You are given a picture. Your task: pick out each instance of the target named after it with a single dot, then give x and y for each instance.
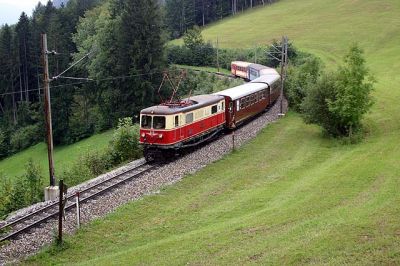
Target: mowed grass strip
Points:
(303, 201)
(291, 196)
(64, 156)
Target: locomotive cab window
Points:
(159, 122)
(176, 121)
(214, 109)
(146, 121)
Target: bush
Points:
(97, 162)
(300, 79)
(4, 146)
(27, 190)
(25, 137)
(125, 142)
(77, 173)
(6, 189)
(339, 100)
(33, 181)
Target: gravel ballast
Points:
(30, 242)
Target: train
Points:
(170, 127)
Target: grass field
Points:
(291, 196)
(64, 156)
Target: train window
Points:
(242, 103)
(189, 118)
(159, 122)
(223, 105)
(176, 121)
(214, 109)
(230, 107)
(146, 121)
(237, 105)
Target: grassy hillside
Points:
(291, 195)
(64, 156)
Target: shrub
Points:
(25, 137)
(339, 100)
(6, 188)
(4, 146)
(300, 79)
(33, 181)
(97, 162)
(77, 173)
(125, 142)
(27, 190)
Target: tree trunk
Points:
(26, 79)
(20, 84)
(203, 14)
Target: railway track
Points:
(35, 218)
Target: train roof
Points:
(241, 63)
(242, 90)
(195, 103)
(258, 66)
(267, 78)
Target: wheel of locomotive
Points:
(150, 155)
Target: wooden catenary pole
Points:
(47, 109)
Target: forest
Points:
(122, 43)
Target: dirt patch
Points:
(252, 231)
(256, 257)
(366, 238)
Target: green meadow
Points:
(64, 156)
(290, 196)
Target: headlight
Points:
(143, 135)
(160, 136)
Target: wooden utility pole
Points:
(217, 54)
(283, 68)
(47, 109)
(60, 211)
(255, 55)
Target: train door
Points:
(177, 130)
(231, 113)
(269, 95)
(234, 67)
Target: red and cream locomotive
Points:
(169, 127)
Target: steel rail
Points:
(72, 205)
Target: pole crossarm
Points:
(71, 66)
(276, 58)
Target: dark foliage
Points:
(182, 15)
